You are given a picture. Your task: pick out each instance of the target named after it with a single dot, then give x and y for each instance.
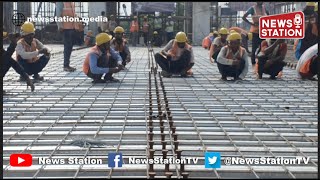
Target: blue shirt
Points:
(93, 61)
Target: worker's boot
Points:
(69, 69)
(37, 77)
(223, 78)
(165, 73)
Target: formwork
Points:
(147, 116)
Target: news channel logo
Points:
(115, 160)
(18, 19)
(212, 160)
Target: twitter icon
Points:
(212, 160)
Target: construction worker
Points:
(158, 27)
(169, 29)
(156, 39)
(27, 51)
(244, 36)
(103, 26)
(256, 12)
(112, 24)
(145, 30)
(8, 62)
(120, 45)
(217, 44)
(270, 59)
(311, 30)
(67, 9)
(206, 42)
(308, 66)
(89, 39)
(134, 29)
(177, 57)
(102, 60)
(232, 60)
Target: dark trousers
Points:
(124, 57)
(102, 62)
(159, 36)
(272, 70)
(145, 37)
(68, 42)
(36, 67)
(157, 40)
(231, 71)
(178, 66)
(135, 38)
(8, 62)
(170, 36)
(256, 42)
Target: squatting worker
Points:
(177, 57)
(102, 60)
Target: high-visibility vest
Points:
(169, 27)
(28, 48)
(230, 55)
(86, 63)
(134, 26)
(69, 10)
(255, 18)
(174, 49)
(119, 47)
(145, 27)
(206, 42)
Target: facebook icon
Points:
(115, 160)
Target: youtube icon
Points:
(21, 160)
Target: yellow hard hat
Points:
(234, 36)
(27, 28)
(4, 34)
(181, 37)
(250, 36)
(102, 38)
(215, 32)
(232, 31)
(118, 29)
(155, 32)
(223, 31)
(311, 4)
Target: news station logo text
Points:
(282, 26)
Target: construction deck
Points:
(145, 114)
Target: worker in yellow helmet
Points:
(120, 44)
(8, 61)
(177, 57)
(232, 60)
(270, 59)
(244, 36)
(217, 44)
(102, 60)
(156, 39)
(27, 51)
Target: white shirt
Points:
(223, 60)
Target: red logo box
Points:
(21, 160)
(282, 26)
